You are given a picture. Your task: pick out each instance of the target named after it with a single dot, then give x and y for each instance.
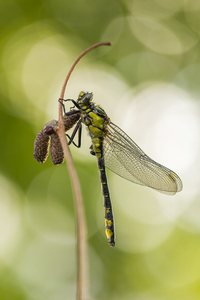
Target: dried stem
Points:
(76, 62)
(78, 200)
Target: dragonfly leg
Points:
(72, 100)
(63, 106)
(78, 129)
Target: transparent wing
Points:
(124, 157)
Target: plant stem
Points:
(77, 195)
(92, 47)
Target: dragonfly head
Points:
(84, 99)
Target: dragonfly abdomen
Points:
(109, 221)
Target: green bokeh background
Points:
(148, 82)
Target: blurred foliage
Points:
(148, 82)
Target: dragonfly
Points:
(115, 150)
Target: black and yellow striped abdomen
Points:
(109, 220)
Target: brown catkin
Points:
(41, 146)
(56, 150)
(48, 135)
(70, 120)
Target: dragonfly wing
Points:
(124, 157)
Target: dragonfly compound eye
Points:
(81, 95)
(85, 98)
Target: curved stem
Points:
(92, 47)
(78, 200)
